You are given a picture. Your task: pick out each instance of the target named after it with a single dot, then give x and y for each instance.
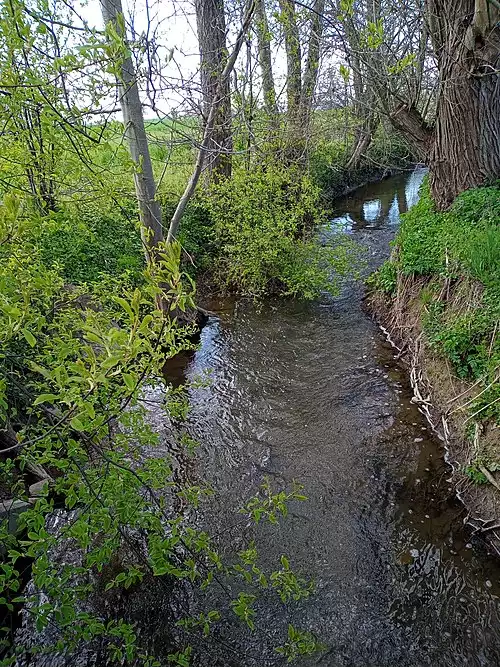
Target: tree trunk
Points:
(366, 70)
(135, 132)
(364, 137)
(266, 65)
(466, 145)
(211, 26)
(210, 124)
(312, 63)
(463, 148)
(293, 59)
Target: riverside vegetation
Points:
(105, 227)
(442, 287)
(84, 341)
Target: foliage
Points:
(385, 279)
(83, 244)
(464, 238)
(74, 368)
(459, 248)
(330, 150)
(474, 473)
(299, 643)
(196, 233)
(263, 228)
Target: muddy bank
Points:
(366, 176)
(441, 396)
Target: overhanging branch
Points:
(408, 120)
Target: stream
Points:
(313, 393)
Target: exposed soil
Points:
(443, 397)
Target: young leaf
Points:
(29, 337)
(44, 398)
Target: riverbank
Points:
(437, 302)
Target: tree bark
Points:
(266, 65)
(293, 59)
(312, 63)
(211, 27)
(407, 119)
(463, 148)
(465, 151)
(135, 132)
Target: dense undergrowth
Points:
(84, 340)
(76, 364)
(252, 235)
(457, 253)
(388, 153)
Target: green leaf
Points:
(77, 424)
(129, 381)
(29, 337)
(125, 305)
(45, 398)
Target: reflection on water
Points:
(373, 206)
(311, 392)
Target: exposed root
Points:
(433, 383)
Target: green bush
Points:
(196, 233)
(93, 242)
(264, 231)
(460, 245)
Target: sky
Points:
(172, 26)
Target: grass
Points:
(458, 253)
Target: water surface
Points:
(312, 392)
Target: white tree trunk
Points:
(135, 132)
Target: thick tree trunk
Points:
(465, 151)
(211, 25)
(266, 65)
(463, 148)
(408, 120)
(135, 132)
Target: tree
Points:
(462, 146)
(266, 65)
(364, 98)
(211, 26)
(293, 59)
(135, 132)
(300, 88)
(312, 62)
(211, 123)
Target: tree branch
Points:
(207, 135)
(407, 119)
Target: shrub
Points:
(196, 233)
(93, 242)
(264, 222)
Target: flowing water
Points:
(312, 392)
